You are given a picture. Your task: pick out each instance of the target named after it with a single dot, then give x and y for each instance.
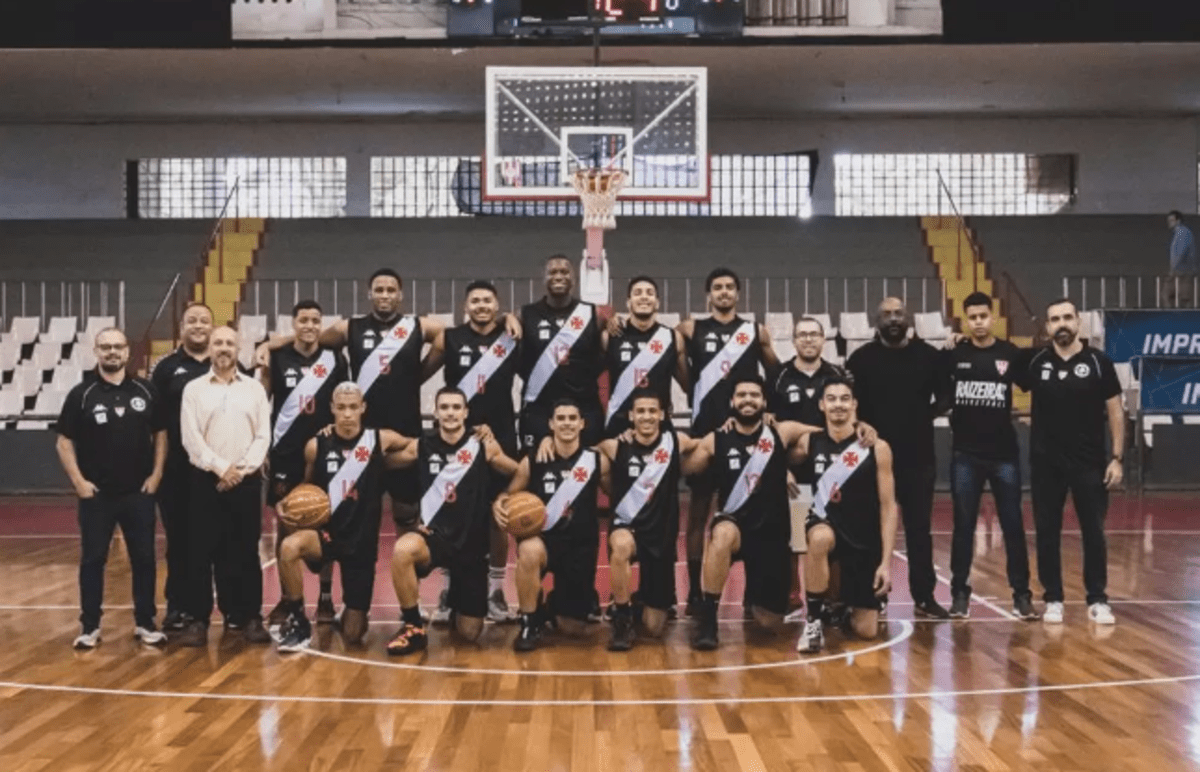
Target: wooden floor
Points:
(990, 693)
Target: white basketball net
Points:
(598, 189)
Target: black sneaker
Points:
(326, 613)
(1023, 608)
(931, 609)
(278, 616)
(174, 621)
(837, 616)
(254, 632)
(195, 634)
(408, 639)
(694, 604)
(296, 634)
(960, 607)
(705, 638)
(234, 625)
(622, 631)
(530, 633)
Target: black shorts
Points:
(856, 569)
(656, 570)
(766, 556)
(287, 471)
(573, 563)
(535, 424)
(467, 593)
(357, 567)
(404, 487)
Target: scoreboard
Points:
(552, 19)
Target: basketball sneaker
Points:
(326, 613)
(88, 639)
(296, 634)
(149, 635)
(407, 640)
(960, 607)
(622, 630)
(498, 610)
(931, 609)
(530, 633)
(174, 621)
(1023, 608)
(1101, 614)
(441, 615)
(705, 638)
(1053, 615)
(279, 615)
(812, 640)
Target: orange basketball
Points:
(307, 506)
(526, 515)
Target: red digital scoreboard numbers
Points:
(631, 10)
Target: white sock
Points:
(495, 579)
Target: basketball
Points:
(526, 515)
(307, 506)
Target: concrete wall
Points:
(60, 171)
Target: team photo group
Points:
(802, 470)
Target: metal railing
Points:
(47, 299)
(1125, 291)
(684, 296)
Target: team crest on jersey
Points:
(464, 456)
(810, 392)
(138, 404)
(1062, 374)
(1002, 366)
(850, 459)
(1082, 370)
(120, 411)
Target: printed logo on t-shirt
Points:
(138, 404)
(735, 459)
(1001, 366)
(1082, 370)
(435, 463)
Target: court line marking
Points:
(809, 698)
(984, 601)
(906, 631)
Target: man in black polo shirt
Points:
(1075, 390)
(169, 376)
(981, 371)
(112, 445)
(899, 393)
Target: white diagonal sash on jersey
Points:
(646, 359)
(383, 353)
(487, 365)
(569, 490)
(305, 390)
(751, 474)
(646, 484)
(835, 476)
(566, 337)
(720, 365)
(351, 469)
(449, 477)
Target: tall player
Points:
(300, 381)
(453, 465)
(720, 349)
(853, 519)
(172, 373)
(348, 464)
(480, 360)
(569, 540)
(644, 355)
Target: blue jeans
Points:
(98, 517)
(968, 473)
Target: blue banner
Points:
(1132, 334)
(1170, 385)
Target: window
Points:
(254, 187)
(872, 185)
(450, 186)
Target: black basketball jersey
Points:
(489, 400)
(394, 398)
(622, 352)
(464, 509)
(579, 366)
(796, 396)
(359, 510)
(708, 338)
(767, 505)
(311, 412)
(852, 507)
(579, 523)
(656, 522)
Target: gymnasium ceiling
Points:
(762, 82)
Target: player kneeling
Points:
(348, 464)
(569, 540)
(853, 518)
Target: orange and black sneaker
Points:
(407, 640)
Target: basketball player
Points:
(569, 540)
(172, 373)
(641, 354)
(348, 464)
(641, 471)
(748, 464)
(480, 359)
(720, 349)
(853, 519)
(452, 533)
(300, 380)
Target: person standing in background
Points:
(1178, 289)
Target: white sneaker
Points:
(441, 615)
(1101, 614)
(88, 639)
(813, 638)
(799, 615)
(498, 610)
(1053, 615)
(150, 636)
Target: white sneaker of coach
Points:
(1053, 615)
(149, 636)
(1101, 614)
(88, 639)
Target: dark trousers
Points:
(98, 517)
(173, 509)
(1051, 479)
(914, 494)
(223, 533)
(968, 473)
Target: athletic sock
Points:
(326, 589)
(412, 616)
(694, 568)
(495, 580)
(294, 605)
(816, 605)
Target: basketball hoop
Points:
(598, 190)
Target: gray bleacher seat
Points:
(61, 329)
(27, 379)
(66, 376)
(830, 353)
(83, 356)
(12, 404)
(855, 326)
(252, 328)
(24, 329)
(931, 326)
(283, 324)
(779, 324)
(94, 325)
(10, 354)
(670, 320)
(46, 355)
